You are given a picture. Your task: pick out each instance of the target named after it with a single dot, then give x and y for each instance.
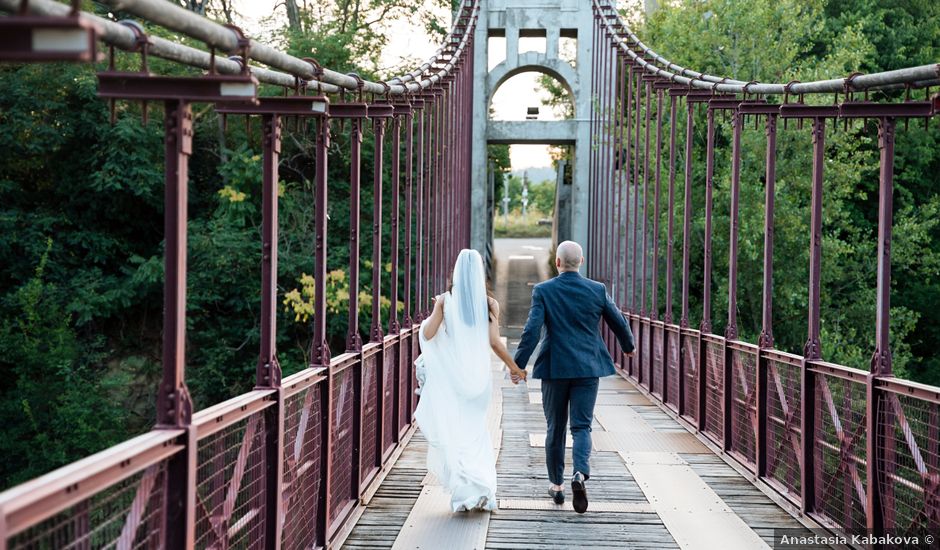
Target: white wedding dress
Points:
(456, 392)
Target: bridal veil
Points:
(457, 390)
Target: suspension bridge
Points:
(704, 440)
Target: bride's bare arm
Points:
(434, 321)
(496, 343)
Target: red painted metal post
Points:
(425, 216)
(409, 212)
(174, 406)
(379, 114)
(623, 181)
(430, 238)
(445, 181)
(613, 160)
(654, 314)
(881, 359)
(420, 216)
(731, 329)
(613, 156)
(453, 169)
(766, 335)
(467, 114)
(355, 113)
(770, 163)
(430, 203)
(811, 350)
(407, 351)
(448, 170)
(353, 339)
(592, 164)
(320, 355)
(604, 153)
(706, 325)
(601, 174)
(428, 208)
(878, 460)
(378, 131)
(646, 190)
(269, 371)
(629, 285)
(636, 204)
(617, 203)
(439, 193)
(671, 201)
(687, 212)
(393, 324)
(439, 234)
(420, 208)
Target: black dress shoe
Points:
(579, 493)
(557, 496)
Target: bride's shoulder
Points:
(493, 306)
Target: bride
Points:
(456, 340)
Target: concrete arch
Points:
(534, 62)
(514, 20)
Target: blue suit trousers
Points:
(564, 399)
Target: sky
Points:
(408, 40)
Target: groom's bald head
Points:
(568, 256)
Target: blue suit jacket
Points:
(569, 308)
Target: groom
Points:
(572, 358)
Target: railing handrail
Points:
(177, 18)
(44, 496)
(919, 76)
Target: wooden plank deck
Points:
(620, 515)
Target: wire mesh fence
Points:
(744, 405)
(126, 514)
(784, 427)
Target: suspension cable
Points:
(223, 38)
(640, 53)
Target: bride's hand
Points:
(517, 374)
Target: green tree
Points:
(56, 402)
(83, 200)
(814, 40)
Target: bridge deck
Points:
(653, 484)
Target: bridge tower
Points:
(551, 19)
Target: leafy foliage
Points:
(81, 258)
(813, 40)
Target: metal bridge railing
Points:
(289, 464)
(850, 449)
